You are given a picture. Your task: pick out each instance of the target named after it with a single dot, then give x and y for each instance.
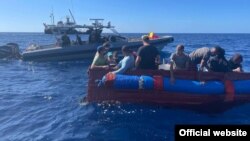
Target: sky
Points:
(131, 16)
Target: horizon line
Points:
(146, 32)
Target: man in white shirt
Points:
(126, 63)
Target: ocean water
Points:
(42, 101)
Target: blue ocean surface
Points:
(42, 101)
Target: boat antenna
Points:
(52, 17)
(72, 16)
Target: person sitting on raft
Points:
(178, 61)
(113, 58)
(126, 63)
(100, 60)
(234, 63)
(148, 56)
(201, 56)
(218, 63)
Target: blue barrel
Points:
(194, 87)
(126, 82)
(147, 82)
(242, 86)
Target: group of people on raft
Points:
(148, 57)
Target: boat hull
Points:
(81, 52)
(200, 102)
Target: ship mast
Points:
(52, 17)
